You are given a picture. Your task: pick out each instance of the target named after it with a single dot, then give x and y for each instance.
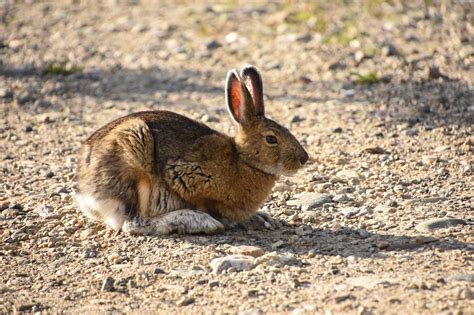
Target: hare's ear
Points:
(238, 99)
(253, 81)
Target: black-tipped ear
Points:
(233, 95)
(238, 99)
(253, 82)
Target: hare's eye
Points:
(271, 139)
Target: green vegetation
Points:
(368, 78)
(61, 69)
(308, 14)
(343, 36)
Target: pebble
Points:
(278, 244)
(247, 250)
(236, 262)
(370, 282)
(350, 212)
(159, 271)
(384, 208)
(389, 50)
(108, 285)
(86, 233)
(309, 200)
(438, 223)
(349, 174)
(276, 259)
(187, 273)
(374, 150)
(341, 198)
(46, 212)
(212, 44)
(115, 258)
(184, 301)
(468, 277)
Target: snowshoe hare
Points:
(158, 172)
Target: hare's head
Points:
(261, 142)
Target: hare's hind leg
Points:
(182, 221)
(109, 211)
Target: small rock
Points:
(296, 119)
(342, 298)
(438, 223)
(5, 93)
(429, 159)
(442, 171)
(383, 245)
(370, 282)
(384, 208)
(27, 307)
(374, 150)
(389, 50)
(4, 205)
(212, 44)
(108, 285)
(115, 258)
(246, 250)
(86, 234)
(187, 273)
(350, 212)
(337, 130)
(340, 198)
(309, 200)
(89, 253)
(278, 244)
(159, 271)
(46, 212)
(231, 37)
(349, 174)
(359, 56)
(187, 300)
(275, 259)
(62, 190)
(468, 277)
(237, 262)
(16, 206)
(434, 73)
(28, 129)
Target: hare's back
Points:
(165, 126)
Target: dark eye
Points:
(271, 139)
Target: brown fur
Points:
(157, 162)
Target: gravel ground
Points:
(379, 93)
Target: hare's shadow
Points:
(343, 242)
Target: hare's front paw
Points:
(184, 221)
(145, 226)
(261, 220)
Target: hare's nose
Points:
(304, 158)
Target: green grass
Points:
(343, 36)
(306, 14)
(61, 69)
(366, 79)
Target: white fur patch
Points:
(110, 211)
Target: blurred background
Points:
(165, 52)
